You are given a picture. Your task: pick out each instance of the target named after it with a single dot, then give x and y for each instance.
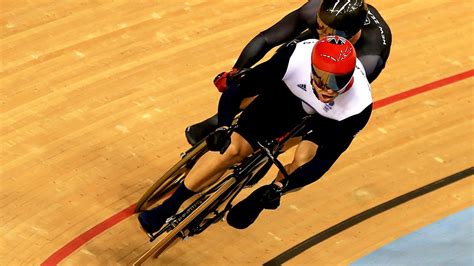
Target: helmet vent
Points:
(336, 40)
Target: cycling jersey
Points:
(373, 46)
(286, 96)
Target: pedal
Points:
(220, 216)
(183, 235)
(169, 225)
(235, 167)
(152, 236)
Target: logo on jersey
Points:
(328, 106)
(367, 21)
(302, 86)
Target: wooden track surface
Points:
(95, 96)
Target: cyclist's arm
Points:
(373, 65)
(283, 31)
(256, 81)
(376, 40)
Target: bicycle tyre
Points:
(171, 236)
(171, 179)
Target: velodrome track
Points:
(95, 97)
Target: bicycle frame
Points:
(242, 174)
(212, 204)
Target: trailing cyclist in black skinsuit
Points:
(364, 27)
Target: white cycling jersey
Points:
(298, 79)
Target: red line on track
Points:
(424, 88)
(80, 240)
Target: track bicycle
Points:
(211, 205)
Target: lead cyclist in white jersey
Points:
(322, 78)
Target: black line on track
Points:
(333, 230)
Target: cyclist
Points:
(322, 78)
(352, 19)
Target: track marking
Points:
(80, 240)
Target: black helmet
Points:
(344, 17)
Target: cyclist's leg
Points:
(265, 118)
(207, 170)
(213, 164)
(170, 180)
(267, 197)
(287, 115)
(205, 201)
(268, 116)
(152, 220)
(305, 152)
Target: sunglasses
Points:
(327, 81)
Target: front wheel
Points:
(173, 234)
(171, 179)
